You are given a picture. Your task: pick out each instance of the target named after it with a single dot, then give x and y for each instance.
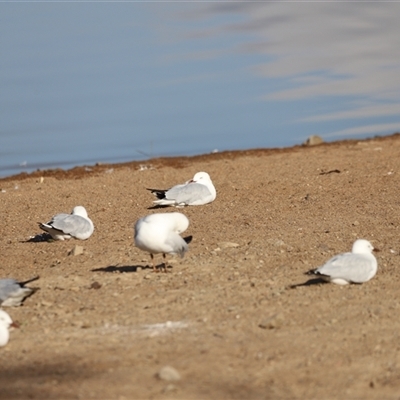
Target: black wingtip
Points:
(318, 274)
(188, 239)
(311, 272)
(35, 278)
(159, 193)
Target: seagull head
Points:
(5, 320)
(362, 246)
(80, 210)
(201, 176)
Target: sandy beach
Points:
(225, 317)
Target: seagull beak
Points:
(376, 250)
(15, 325)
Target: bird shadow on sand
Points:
(157, 206)
(121, 268)
(41, 237)
(131, 268)
(310, 282)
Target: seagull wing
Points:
(188, 194)
(177, 243)
(351, 267)
(74, 225)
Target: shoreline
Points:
(83, 171)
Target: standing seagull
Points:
(159, 233)
(356, 267)
(64, 226)
(196, 192)
(5, 324)
(13, 293)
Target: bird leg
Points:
(164, 265)
(152, 260)
(165, 262)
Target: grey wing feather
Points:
(71, 224)
(7, 287)
(178, 244)
(12, 294)
(187, 193)
(57, 217)
(352, 267)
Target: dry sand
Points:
(103, 324)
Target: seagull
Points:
(64, 226)
(356, 267)
(159, 233)
(195, 192)
(13, 293)
(5, 324)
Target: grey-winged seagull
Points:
(196, 192)
(13, 293)
(64, 226)
(356, 267)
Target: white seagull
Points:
(13, 293)
(195, 192)
(159, 233)
(356, 267)
(64, 226)
(5, 324)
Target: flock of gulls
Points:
(161, 233)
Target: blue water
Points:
(83, 83)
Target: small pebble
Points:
(76, 251)
(95, 285)
(170, 388)
(169, 374)
(273, 322)
(226, 245)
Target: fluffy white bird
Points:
(64, 226)
(195, 192)
(13, 293)
(160, 233)
(5, 324)
(356, 267)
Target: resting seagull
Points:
(160, 233)
(356, 267)
(64, 226)
(13, 293)
(5, 324)
(195, 192)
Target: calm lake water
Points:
(110, 82)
